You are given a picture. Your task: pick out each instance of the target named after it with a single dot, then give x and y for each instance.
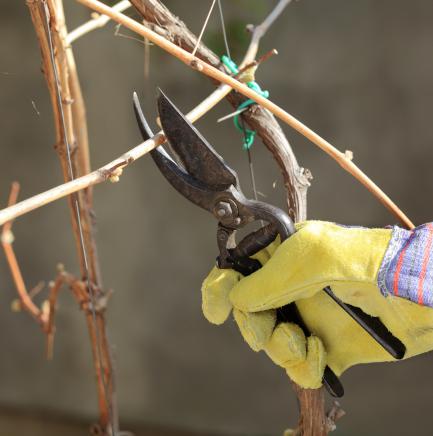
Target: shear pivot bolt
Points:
(223, 209)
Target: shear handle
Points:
(290, 313)
(252, 210)
(255, 241)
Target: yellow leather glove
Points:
(357, 263)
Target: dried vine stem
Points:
(43, 315)
(213, 72)
(7, 239)
(76, 131)
(95, 23)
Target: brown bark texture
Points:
(76, 135)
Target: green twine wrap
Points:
(249, 135)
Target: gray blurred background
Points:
(360, 73)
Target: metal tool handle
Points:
(255, 241)
(290, 313)
(373, 326)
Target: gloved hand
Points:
(387, 273)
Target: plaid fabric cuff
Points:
(407, 267)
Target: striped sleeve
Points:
(407, 267)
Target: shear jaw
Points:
(200, 174)
(195, 153)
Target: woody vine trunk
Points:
(312, 419)
(76, 131)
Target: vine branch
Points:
(96, 22)
(7, 239)
(116, 166)
(205, 68)
(103, 173)
(71, 110)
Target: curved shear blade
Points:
(198, 157)
(192, 189)
(145, 130)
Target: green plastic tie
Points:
(249, 134)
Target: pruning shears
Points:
(201, 175)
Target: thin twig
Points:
(39, 287)
(118, 33)
(52, 303)
(26, 301)
(204, 27)
(334, 415)
(231, 115)
(259, 31)
(71, 131)
(95, 23)
(255, 63)
(289, 119)
(44, 316)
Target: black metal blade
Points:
(143, 125)
(192, 189)
(198, 157)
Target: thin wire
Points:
(224, 29)
(251, 168)
(250, 161)
(77, 213)
(253, 180)
(204, 27)
(231, 115)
